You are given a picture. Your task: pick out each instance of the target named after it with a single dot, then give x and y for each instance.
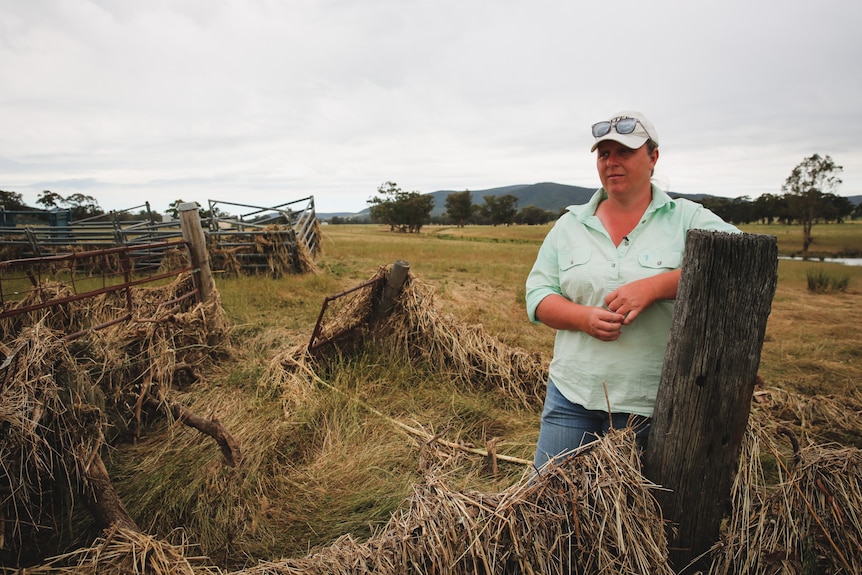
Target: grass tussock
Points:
(820, 281)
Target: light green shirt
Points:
(579, 261)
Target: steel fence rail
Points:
(79, 276)
(55, 234)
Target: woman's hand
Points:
(603, 324)
(631, 299)
(559, 313)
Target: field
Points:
(479, 272)
(336, 464)
(337, 443)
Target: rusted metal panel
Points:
(89, 274)
(321, 335)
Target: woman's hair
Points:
(650, 148)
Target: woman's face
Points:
(624, 171)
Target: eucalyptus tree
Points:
(402, 211)
(806, 190)
(459, 207)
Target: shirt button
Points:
(613, 265)
(658, 263)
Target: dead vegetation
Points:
(64, 402)
(273, 251)
(593, 513)
(805, 521)
(795, 508)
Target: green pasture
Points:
(829, 239)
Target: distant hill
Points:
(545, 195)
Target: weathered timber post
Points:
(704, 398)
(193, 232)
(394, 282)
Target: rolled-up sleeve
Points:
(544, 278)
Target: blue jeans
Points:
(567, 426)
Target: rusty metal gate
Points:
(33, 284)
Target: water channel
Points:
(845, 261)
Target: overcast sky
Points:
(269, 101)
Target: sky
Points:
(264, 102)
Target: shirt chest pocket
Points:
(575, 278)
(660, 259)
(572, 258)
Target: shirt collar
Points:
(660, 199)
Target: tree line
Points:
(79, 206)
(409, 211)
(809, 196)
(83, 207)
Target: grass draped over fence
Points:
(415, 330)
(63, 402)
(467, 352)
(274, 250)
(52, 422)
(593, 513)
(808, 521)
(811, 523)
(122, 551)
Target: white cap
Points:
(644, 130)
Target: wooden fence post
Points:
(193, 232)
(704, 398)
(394, 282)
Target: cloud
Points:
(269, 101)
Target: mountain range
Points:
(545, 195)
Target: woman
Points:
(605, 278)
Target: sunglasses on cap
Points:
(621, 125)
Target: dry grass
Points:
(64, 402)
(808, 521)
(273, 251)
(52, 426)
(121, 551)
(813, 342)
(372, 454)
(591, 513)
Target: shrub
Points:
(822, 282)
